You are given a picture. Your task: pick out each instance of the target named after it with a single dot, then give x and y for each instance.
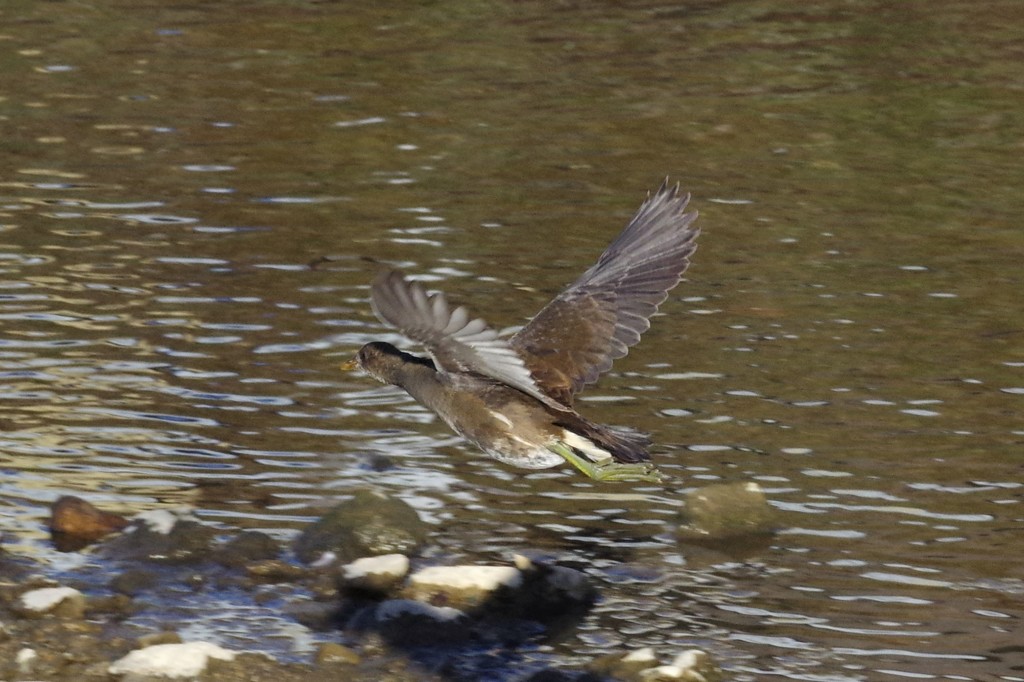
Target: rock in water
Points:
(163, 537)
(719, 512)
(76, 522)
(369, 524)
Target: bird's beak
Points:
(350, 365)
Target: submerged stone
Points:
(247, 547)
(722, 511)
(369, 524)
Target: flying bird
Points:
(513, 398)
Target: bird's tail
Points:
(597, 442)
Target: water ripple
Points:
(906, 511)
(167, 418)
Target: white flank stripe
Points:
(578, 442)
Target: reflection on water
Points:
(192, 206)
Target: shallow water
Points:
(850, 334)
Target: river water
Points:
(850, 335)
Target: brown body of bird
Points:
(513, 397)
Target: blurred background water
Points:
(850, 335)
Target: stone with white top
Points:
(65, 602)
(375, 573)
(175, 661)
(462, 586)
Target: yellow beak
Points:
(350, 365)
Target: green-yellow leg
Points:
(610, 470)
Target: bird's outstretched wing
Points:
(594, 321)
(457, 341)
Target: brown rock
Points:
(334, 653)
(72, 518)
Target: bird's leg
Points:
(609, 470)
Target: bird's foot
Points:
(609, 470)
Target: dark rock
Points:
(369, 524)
(247, 547)
(314, 615)
(553, 675)
(133, 581)
(548, 593)
(162, 537)
(118, 605)
(409, 623)
(13, 569)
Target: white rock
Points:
(387, 564)
(641, 655)
(170, 660)
(474, 579)
(158, 520)
(662, 673)
(25, 658)
(47, 598)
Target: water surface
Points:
(850, 334)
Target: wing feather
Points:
(456, 341)
(594, 321)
